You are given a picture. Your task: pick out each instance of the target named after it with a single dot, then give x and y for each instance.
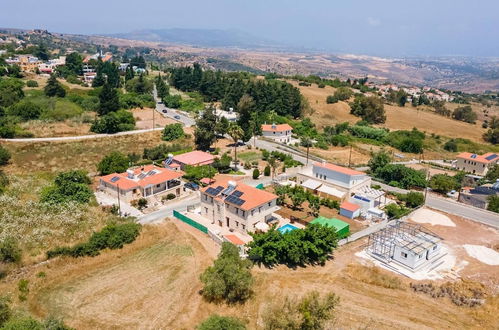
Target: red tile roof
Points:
(339, 169)
(206, 181)
(125, 183)
(195, 158)
(277, 128)
(234, 239)
(349, 206)
(478, 158)
(252, 196)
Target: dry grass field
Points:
(153, 283)
(398, 118)
(84, 154)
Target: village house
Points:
(279, 133)
(237, 206)
(26, 63)
(192, 158)
(476, 164)
(230, 115)
(479, 196)
(332, 181)
(142, 182)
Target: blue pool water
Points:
(287, 228)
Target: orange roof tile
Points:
(126, 183)
(277, 128)
(349, 206)
(195, 157)
(340, 169)
(234, 239)
(478, 158)
(252, 196)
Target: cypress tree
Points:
(54, 88)
(108, 100)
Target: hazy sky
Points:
(380, 27)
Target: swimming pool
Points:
(287, 228)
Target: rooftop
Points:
(195, 157)
(339, 169)
(485, 158)
(277, 128)
(142, 177)
(349, 206)
(240, 195)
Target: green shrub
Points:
(405, 177)
(229, 279)
(266, 171)
(5, 311)
(451, 146)
(31, 83)
(115, 162)
(113, 236)
(70, 186)
(26, 110)
(114, 122)
(256, 174)
(23, 286)
(10, 251)
(171, 196)
(395, 211)
(443, 183)
(412, 199)
(4, 156)
(172, 132)
(216, 322)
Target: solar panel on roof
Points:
(211, 191)
(115, 178)
(473, 156)
(151, 172)
(491, 157)
(237, 193)
(228, 190)
(141, 176)
(239, 201)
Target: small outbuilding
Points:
(342, 228)
(349, 210)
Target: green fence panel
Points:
(190, 222)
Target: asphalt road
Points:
(181, 205)
(172, 113)
(463, 210)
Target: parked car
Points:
(191, 185)
(176, 117)
(159, 102)
(165, 111)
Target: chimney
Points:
(274, 126)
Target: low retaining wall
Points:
(190, 222)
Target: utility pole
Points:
(350, 157)
(119, 204)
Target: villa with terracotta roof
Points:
(476, 164)
(145, 181)
(279, 133)
(192, 158)
(333, 181)
(237, 206)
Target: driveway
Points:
(108, 200)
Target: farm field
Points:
(154, 283)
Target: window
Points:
(237, 224)
(206, 210)
(244, 227)
(270, 204)
(237, 210)
(403, 254)
(252, 212)
(243, 213)
(158, 185)
(420, 256)
(434, 247)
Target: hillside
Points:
(398, 118)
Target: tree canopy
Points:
(172, 132)
(229, 279)
(370, 109)
(68, 186)
(54, 88)
(217, 322)
(115, 162)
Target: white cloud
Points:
(373, 21)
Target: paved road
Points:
(172, 113)
(463, 210)
(181, 205)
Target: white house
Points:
(333, 181)
(279, 133)
(237, 206)
(230, 115)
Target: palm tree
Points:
(274, 164)
(307, 143)
(236, 133)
